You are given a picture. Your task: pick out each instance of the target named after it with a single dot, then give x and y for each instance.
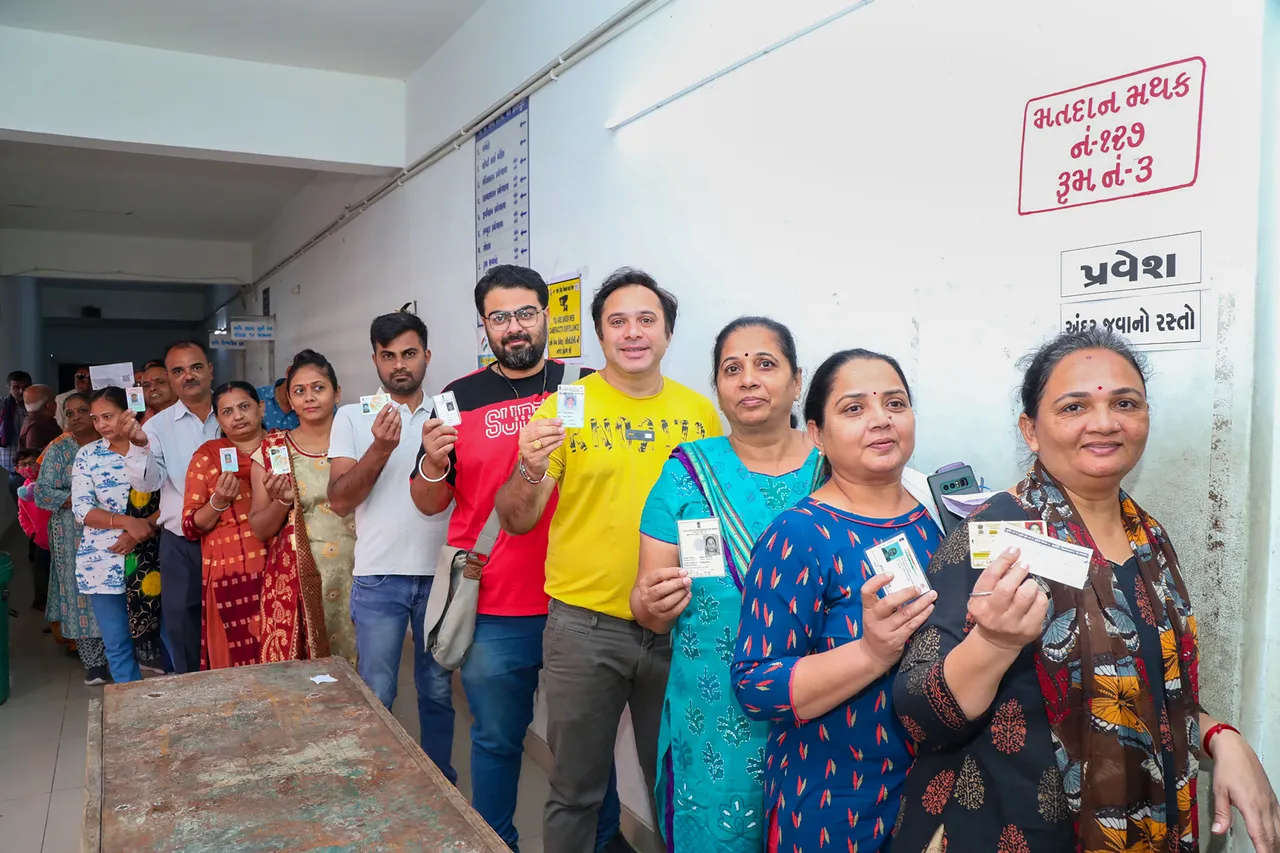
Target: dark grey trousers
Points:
(593, 666)
(180, 599)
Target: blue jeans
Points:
(500, 677)
(112, 613)
(383, 607)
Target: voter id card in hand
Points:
(230, 460)
(279, 457)
(571, 404)
(1051, 559)
(373, 403)
(447, 408)
(137, 403)
(983, 535)
(701, 548)
(895, 555)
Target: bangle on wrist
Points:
(213, 502)
(524, 472)
(448, 465)
(1212, 733)
(284, 503)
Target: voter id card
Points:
(373, 403)
(230, 459)
(279, 460)
(895, 555)
(701, 548)
(571, 409)
(447, 408)
(983, 535)
(1048, 558)
(137, 403)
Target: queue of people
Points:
(791, 703)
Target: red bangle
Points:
(1213, 730)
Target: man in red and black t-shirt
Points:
(466, 465)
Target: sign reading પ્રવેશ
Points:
(1132, 135)
(1155, 262)
(1149, 320)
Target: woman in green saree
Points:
(710, 792)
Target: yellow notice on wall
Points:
(564, 334)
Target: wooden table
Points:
(261, 758)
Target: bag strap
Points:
(492, 527)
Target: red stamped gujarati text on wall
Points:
(1133, 135)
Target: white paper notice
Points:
(1051, 559)
(1150, 321)
(1126, 136)
(502, 190)
(106, 375)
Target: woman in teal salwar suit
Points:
(710, 793)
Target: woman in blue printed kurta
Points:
(818, 644)
(709, 792)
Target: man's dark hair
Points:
(628, 277)
(19, 376)
(184, 345)
(510, 277)
(155, 362)
(388, 327)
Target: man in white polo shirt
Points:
(371, 457)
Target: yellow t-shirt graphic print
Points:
(605, 471)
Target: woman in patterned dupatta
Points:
(709, 791)
(306, 589)
(216, 514)
(1055, 719)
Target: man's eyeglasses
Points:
(526, 317)
(82, 376)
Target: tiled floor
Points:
(43, 728)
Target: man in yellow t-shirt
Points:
(596, 658)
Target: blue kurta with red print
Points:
(834, 781)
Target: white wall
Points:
(861, 185)
(249, 111)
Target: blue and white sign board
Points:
(217, 341)
(502, 190)
(252, 328)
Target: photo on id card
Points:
(896, 555)
(701, 547)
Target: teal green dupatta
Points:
(710, 778)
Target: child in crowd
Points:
(34, 521)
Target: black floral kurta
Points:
(993, 783)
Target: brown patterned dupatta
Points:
(293, 626)
(1110, 740)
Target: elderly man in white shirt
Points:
(159, 459)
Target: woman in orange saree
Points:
(216, 514)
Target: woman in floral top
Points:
(818, 645)
(1056, 719)
(100, 501)
(710, 791)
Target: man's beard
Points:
(402, 383)
(524, 357)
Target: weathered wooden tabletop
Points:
(261, 758)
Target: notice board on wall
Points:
(502, 190)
